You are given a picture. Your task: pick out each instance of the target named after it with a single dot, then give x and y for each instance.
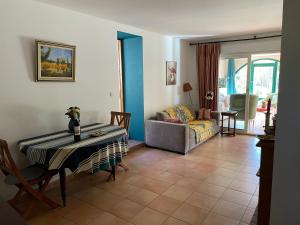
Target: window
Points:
(263, 78)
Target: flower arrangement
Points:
(73, 112)
(209, 95)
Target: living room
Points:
(213, 181)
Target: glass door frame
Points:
(250, 75)
(248, 57)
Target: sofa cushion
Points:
(171, 111)
(204, 114)
(162, 116)
(204, 123)
(184, 114)
(203, 129)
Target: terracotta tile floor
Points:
(215, 184)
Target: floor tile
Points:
(215, 219)
(99, 198)
(189, 183)
(156, 186)
(83, 213)
(229, 209)
(50, 219)
(124, 190)
(211, 189)
(190, 214)
(247, 217)
(253, 203)
(143, 197)
(243, 186)
(225, 172)
(178, 193)
(202, 200)
(169, 177)
(219, 180)
(126, 209)
(165, 204)
(237, 197)
(149, 217)
(105, 219)
(173, 221)
(137, 180)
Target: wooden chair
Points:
(32, 180)
(123, 120)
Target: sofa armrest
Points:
(215, 115)
(169, 136)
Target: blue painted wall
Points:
(133, 83)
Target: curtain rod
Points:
(237, 40)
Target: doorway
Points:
(246, 89)
(130, 64)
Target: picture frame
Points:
(55, 61)
(171, 72)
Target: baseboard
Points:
(141, 145)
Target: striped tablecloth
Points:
(58, 150)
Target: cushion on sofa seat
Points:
(204, 123)
(203, 129)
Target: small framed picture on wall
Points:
(171, 72)
(55, 61)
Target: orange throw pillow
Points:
(207, 113)
(201, 114)
(204, 114)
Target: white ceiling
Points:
(189, 18)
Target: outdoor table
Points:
(58, 151)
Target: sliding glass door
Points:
(233, 89)
(246, 89)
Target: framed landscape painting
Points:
(171, 72)
(55, 61)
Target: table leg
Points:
(62, 177)
(222, 126)
(113, 171)
(234, 125)
(228, 124)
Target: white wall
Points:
(228, 50)
(30, 108)
(286, 170)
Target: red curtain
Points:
(207, 70)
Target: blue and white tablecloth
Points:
(59, 150)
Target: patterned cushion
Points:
(184, 114)
(204, 129)
(172, 112)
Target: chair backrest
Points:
(122, 119)
(7, 164)
(238, 101)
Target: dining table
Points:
(101, 147)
